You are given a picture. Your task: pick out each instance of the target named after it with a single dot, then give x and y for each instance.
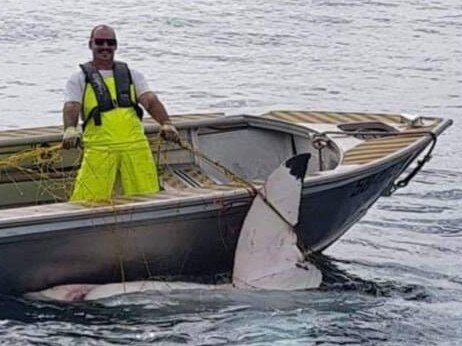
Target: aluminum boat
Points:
(208, 182)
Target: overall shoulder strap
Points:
(123, 79)
(103, 96)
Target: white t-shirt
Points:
(76, 84)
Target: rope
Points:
(253, 189)
(405, 181)
(15, 160)
(39, 165)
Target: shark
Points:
(267, 255)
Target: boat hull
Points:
(192, 227)
(329, 212)
(138, 245)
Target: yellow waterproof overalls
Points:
(116, 149)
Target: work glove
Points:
(169, 132)
(71, 137)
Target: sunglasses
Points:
(109, 41)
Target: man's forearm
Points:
(72, 132)
(155, 108)
(159, 113)
(71, 112)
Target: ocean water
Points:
(394, 279)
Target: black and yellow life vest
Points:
(110, 112)
(105, 102)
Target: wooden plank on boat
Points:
(378, 148)
(322, 117)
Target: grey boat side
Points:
(188, 232)
(147, 240)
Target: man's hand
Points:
(71, 137)
(169, 132)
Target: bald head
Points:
(103, 29)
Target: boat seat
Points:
(378, 148)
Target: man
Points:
(106, 94)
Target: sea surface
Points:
(394, 279)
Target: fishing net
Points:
(45, 173)
(39, 174)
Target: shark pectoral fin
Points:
(267, 254)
